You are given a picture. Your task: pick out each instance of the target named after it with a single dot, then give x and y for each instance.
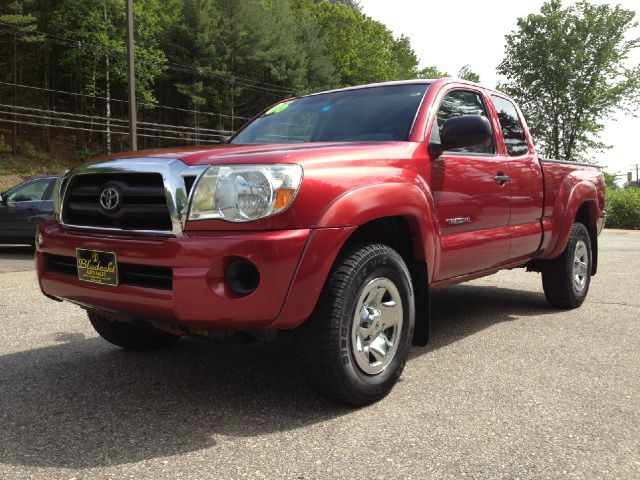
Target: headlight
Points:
(242, 193)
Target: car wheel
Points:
(128, 335)
(566, 279)
(356, 343)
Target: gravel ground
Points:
(508, 388)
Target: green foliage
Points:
(432, 73)
(4, 147)
(362, 50)
(566, 68)
(86, 153)
(623, 208)
(466, 73)
(25, 167)
(25, 148)
(99, 29)
(24, 24)
(405, 58)
(197, 57)
(610, 180)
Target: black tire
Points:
(130, 336)
(559, 277)
(327, 338)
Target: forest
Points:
(203, 67)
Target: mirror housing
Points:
(463, 131)
(3, 200)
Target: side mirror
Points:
(460, 132)
(225, 139)
(3, 200)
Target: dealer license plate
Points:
(96, 266)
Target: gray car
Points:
(23, 207)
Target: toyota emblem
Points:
(109, 199)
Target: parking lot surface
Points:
(508, 388)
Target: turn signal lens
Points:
(284, 197)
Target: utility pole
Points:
(133, 135)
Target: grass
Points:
(15, 168)
(28, 161)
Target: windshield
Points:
(383, 113)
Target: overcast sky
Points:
(477, 38)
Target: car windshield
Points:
(384, 113)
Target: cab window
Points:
(456, 104)
(512, 129)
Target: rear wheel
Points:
(130, 336)
(357, 341)
(566, 279)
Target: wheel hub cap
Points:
(377, 325)
(580, 266)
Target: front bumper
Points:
(199, 296)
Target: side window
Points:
(512, 129)
(32, 191)
(456, 104)
(48, 194)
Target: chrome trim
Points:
(173, 172)
(569, 162)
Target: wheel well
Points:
(403, 236)
(391, 231)
(587, 216)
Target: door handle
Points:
(32, 209)
(501, 178)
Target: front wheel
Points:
(566, 279)
(357, 341)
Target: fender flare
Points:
(364, 204)
(333, 228)
(568, 202)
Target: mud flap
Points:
(422, 325)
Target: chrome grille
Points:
(152, 195)
(142, 203)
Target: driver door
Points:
(471, 199)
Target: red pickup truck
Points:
(334, 215)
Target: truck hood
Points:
(276, 153)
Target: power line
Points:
(62, 92)
(44, 125)
(112, 128)
(112, 121)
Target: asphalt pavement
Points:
(508, 388)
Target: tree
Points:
(610, 180)
(466, 73)
(406, 59)
(99, 29)
(362, 50)
(202, 66)
(23, 29)
(567, 69)
(432, 72)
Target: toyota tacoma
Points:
(332, 215)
